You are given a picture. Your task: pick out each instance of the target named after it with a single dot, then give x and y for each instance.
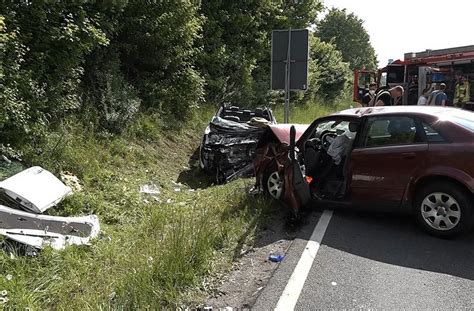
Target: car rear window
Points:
(432, 136)
(463, 118)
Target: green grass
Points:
(308, 113)
(149, 255)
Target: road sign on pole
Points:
(289, 62)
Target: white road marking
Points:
(292, 291)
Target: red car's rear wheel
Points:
(443, 209)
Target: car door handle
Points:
(408, 155)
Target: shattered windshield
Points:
(338, 127)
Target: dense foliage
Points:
(329, 75)
(104, 61)
(346, 31)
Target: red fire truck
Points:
(419, 70)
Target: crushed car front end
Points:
(229, 142)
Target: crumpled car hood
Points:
(282, 131)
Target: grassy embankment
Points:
(150, 253)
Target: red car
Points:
(410, 159)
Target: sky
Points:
(418, 24)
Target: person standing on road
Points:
(389, 97)
(438, 97)
(422, 101)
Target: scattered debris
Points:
(9, 277)
(150, 190)
(71, 181)
(39, 231)
(255, 190)
(276, 258)
(34, 189)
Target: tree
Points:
(42, 49)
(347, 33)
(156, 40)
(328, 73)
(236, 42)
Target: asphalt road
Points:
(369, 261)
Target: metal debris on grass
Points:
(35, 190)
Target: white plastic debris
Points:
(71, 180)
(39, 231)
(34, 189)
(9, 277)
(151, 189)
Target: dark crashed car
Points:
(229, 141)
(410, 159)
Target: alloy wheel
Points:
(440, 211)
(275, 185)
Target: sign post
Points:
(289, 63)
(287, 79)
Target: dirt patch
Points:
(250, 273)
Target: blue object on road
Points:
(275, 258)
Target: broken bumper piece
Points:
(40, 231)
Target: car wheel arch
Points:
(425, 180)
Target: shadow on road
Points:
(396, 240)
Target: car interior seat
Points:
(259, 112)
(266, 115)
(232, 118)
(246, 115)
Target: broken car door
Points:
(386, 157)
(296, 190)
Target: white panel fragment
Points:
(35, 189)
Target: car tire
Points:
(443, 209)
(272, 182)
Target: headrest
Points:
(232, 118)
(397, 127)
(353, 127)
